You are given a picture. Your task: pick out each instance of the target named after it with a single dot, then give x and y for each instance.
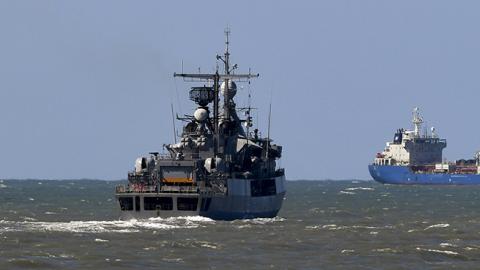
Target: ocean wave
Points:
(445, 252)
(385, 250)
(261, 221)
(359, 188)
(441, 225)
(116, 226)
(347, 192)
(99, 240)
(447, 245)
(334, 227)
(206, 244)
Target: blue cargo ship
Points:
(416, 159)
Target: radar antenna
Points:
(217, 78)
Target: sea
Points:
(73, 224)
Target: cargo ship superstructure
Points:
(218, 169)
(416, 158)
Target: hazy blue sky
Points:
(86, 86)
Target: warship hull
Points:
(220, 167)
(241, 201)
(403, 175)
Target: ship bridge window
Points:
(263, 187)
(187, 204)
(126, 203)
(161, 203)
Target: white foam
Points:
(262, 221)
(447, 245)
(116, 226)
(334, 227)
(193, 219)
(359, 188)
(441, 225)
(208, 245)
(385, 250)
(3, 186)
(101, 240)
(447, 252)
(347, 192)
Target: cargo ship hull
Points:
(403, 175)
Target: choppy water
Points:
(323, 225)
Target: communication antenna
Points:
(248, 119)
(173, 123)
(268, 130)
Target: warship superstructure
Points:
(415, 158)
(218, 168)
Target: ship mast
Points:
(226, 96)
(227, 83)
(217, 78)
(417, 121)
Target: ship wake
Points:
(114, 226)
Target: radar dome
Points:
(232, 89)
(200, 114)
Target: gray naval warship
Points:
(218, 169)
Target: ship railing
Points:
(164, 156)
(179, 189)
(430, 140)
(135, 188)
(138, 188)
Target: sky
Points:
(86, 86)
